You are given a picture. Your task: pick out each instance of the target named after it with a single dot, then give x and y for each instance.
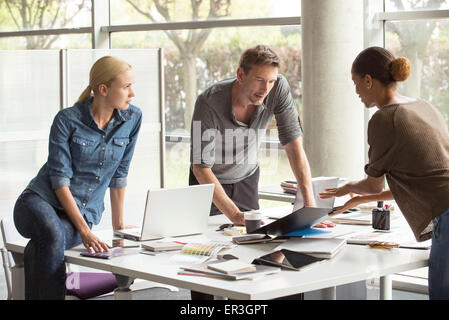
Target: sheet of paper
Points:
(319, 185)
(276, 212)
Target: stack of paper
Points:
(233, 266)
(355, 218)
(157, 246)
(317, 247)
(319, 184)
(405, 239)
(202, 270)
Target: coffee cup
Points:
(253, 220)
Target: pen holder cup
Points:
(381, 219)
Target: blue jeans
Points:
(50, 232)
(439, 258)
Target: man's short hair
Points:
(258, 55)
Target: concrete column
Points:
(333, 116)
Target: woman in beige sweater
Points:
(409, 146)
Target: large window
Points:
(145, 11)
(20, 15)
(195, 57)
(415, 5)
(425, 42)
(426, 45)
(198, 57)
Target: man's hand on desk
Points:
(237, 218)
(324, 224)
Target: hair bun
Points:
(400, 69)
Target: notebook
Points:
(232, 266)
(300, 219)
(202, 270)
(173, 212)
(320, 248)
(319, 185)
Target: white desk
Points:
(354, 263)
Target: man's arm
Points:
(220, 199)
(301, 169)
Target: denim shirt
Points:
(87, 159)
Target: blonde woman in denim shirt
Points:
(90, 149)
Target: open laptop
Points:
(302, 217)
(173, 212)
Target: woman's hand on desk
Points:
(334, 192)
(92, 242)
(351, 203)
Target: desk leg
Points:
(385, 288)
(18, 277)
(123, 292)
(329, 293)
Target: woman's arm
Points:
(68, 203)
(357, 200)
(117, 196)
(369, 185)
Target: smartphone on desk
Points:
(257, 238)
(99, 255)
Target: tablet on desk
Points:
(287, 259)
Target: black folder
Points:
(300, 219)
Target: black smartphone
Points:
(99, 255)
(251, 238)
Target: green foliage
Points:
(38, 14)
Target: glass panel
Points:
(67, 41)
(27, 108)
(410, 5)
(273, 162)
(217, 60)
(19, 15)
(426, 45)
(146, 11)
(144, 172)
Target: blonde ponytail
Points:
(103, 71)
(85, 95)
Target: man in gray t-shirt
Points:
(229, 121)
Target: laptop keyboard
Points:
(135, 232)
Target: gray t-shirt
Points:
(229, 147)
